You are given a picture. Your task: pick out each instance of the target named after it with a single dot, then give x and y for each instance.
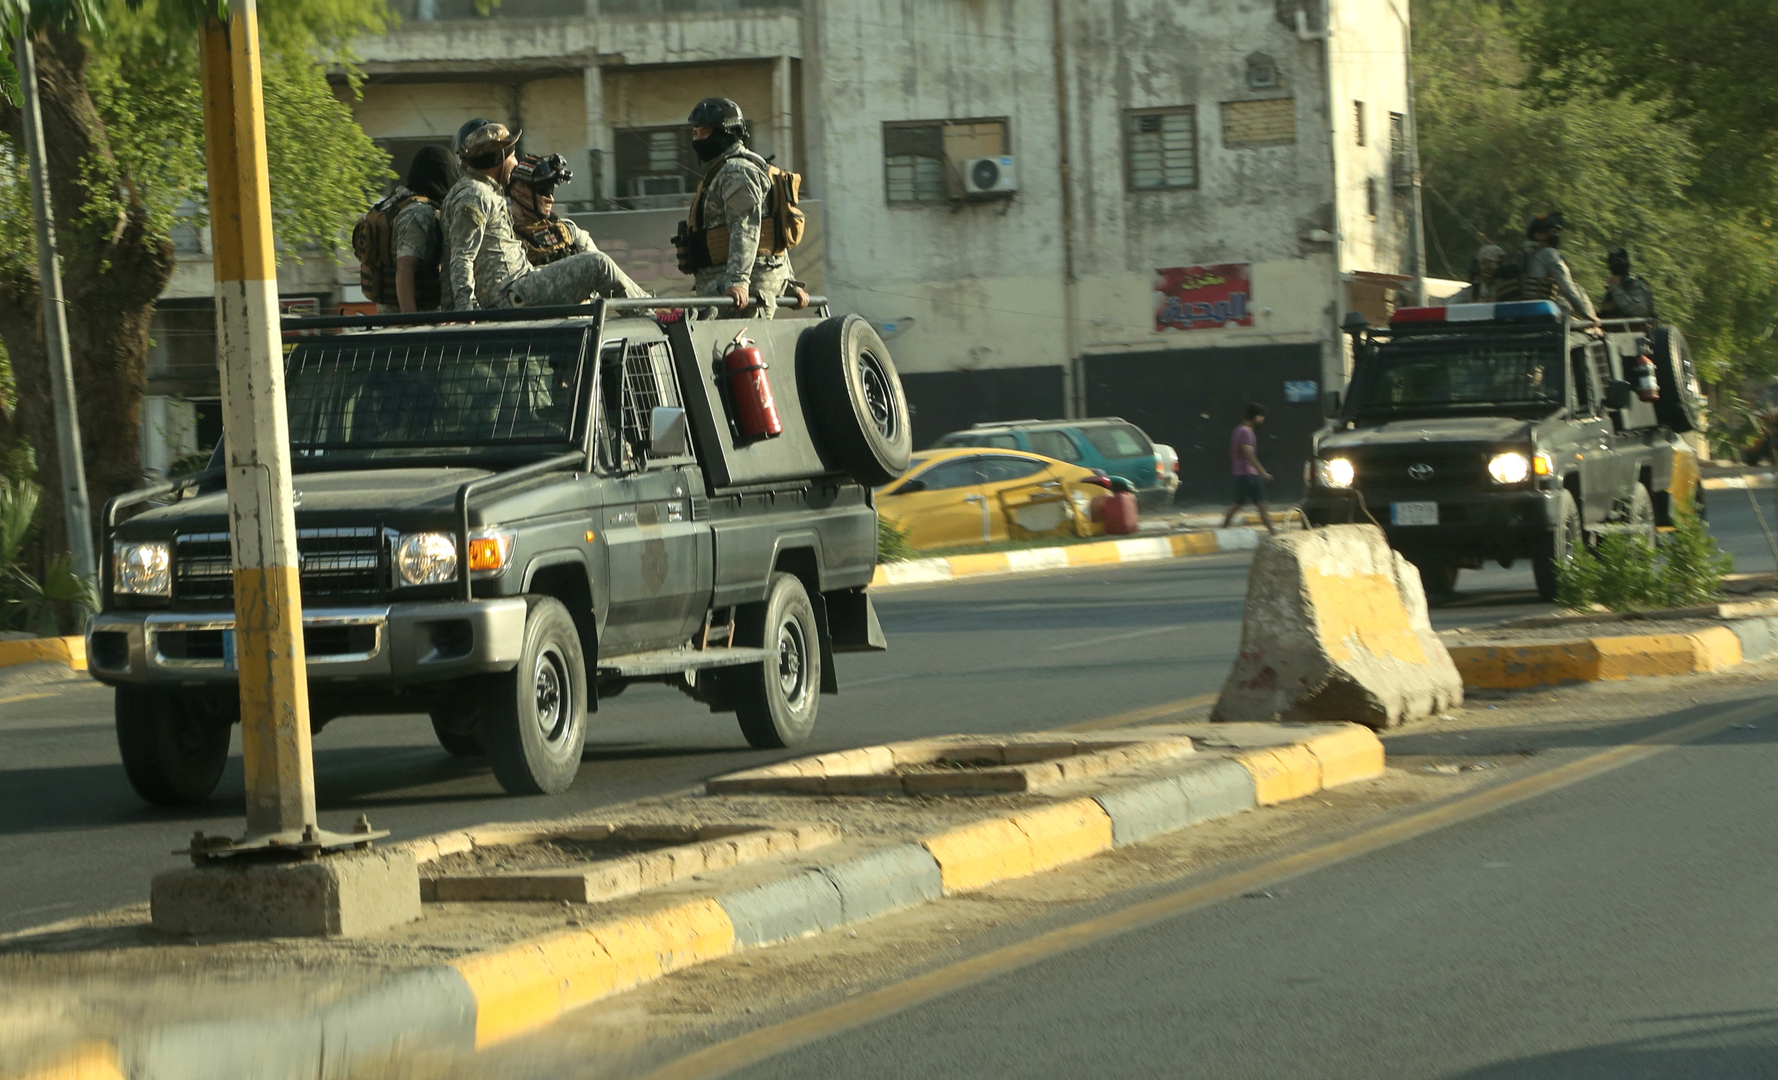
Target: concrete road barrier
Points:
(1336, 629)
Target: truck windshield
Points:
(1430, 375)
(384, 396)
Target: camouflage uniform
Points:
(417, 234)
(486, 265)
(1630, 298)
(736, 197)
(1545, 262)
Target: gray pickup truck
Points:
(505, 518)
(1507, 431)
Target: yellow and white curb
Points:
(1036, 560)
(68, 651)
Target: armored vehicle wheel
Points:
(455, 726)
(1641, 515)
(1680, 405)
(1438, 577)
(775, 701)
(1555, 547)
(173, 748)
(533, 718)
(862, 411)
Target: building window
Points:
(1262, 72)
(1162, 148)
(922, 160)
(1401, 161)
(1370, 196)
(1358, 118)
(655, 166)
(1249, 124)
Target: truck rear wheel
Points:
(776, 700)
(863, 413)
(173, 748)
(1555, 548)
(1641, 514)
(533, 718)
(1438, 577)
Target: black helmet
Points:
(1617, 260)
(543, 174)
(717, 114)
(1550, 221)
(468, 128)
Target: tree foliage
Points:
(1628, 170)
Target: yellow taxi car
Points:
(979, 495)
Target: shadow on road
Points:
(1723, 1047)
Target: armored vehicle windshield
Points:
(1424, 376)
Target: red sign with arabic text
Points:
(1203, 297)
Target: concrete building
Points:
(1158, 209)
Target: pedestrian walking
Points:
(1250, 476)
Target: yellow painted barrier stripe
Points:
(526, 986)
(88, 1061)
(992, 562)
(1513, 667)
(980, 854)
(1065, 833)
(240, 207)
(51, 650)
(1351, 754)
(1100, 554)
(1282, 773)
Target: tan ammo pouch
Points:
(717, 241)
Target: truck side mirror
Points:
(668, 433)
(1330, 403)
(1619, 394)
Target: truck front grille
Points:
(336, 563)
(1389, 468)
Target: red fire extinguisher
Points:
(755, 412)
(1647, 388)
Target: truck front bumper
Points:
(391, 644)
(1474, 524)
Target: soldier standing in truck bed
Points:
(1545, 275)
(730, 247)
(485, 263)
(1626, 297)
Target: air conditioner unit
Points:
(648, 185)
(988, 176)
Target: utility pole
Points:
(262, 519)
(77, 511)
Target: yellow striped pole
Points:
(262, 519)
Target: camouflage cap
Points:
(489, 139)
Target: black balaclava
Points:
(709, 149)
(430, 174)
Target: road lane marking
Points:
(1142, 716)
(16, 698)
(767, 1043)
(1114, 637)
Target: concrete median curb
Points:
(67, 651)
(1510, 666)
(1136, 549)
(489, 997)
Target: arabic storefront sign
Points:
(1203, 297)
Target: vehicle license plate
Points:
(228, 650)
(1413, 513)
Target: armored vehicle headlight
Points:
(1510, 468)
(491, 550)
(428, 558)
(141, 569)
(1338, 472)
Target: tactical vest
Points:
(780, 228)
(546, 241)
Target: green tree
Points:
(124, 132)
(1627, 171)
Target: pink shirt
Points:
(1238, 462)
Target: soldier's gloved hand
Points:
(739, 293)
(802, 298)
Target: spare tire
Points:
(1681, 404)
(858, 401)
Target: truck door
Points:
(1602, 478)
(659, 551)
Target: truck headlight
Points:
(1337, 472)
(428, 558)
(1510, 468)
(141, 569)
(491, 550)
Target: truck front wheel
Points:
(533, 718)
(456, 728)
(1554, 548)
(775, 700)
(173, 748)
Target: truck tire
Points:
(533, 718)
(775, 700)
(1680, 406)
(1641, 514)
(1554, 547)
(1438, 577)
(859, 404)
(173, 749)
(455, 726)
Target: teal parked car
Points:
(1110, 444)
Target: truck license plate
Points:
(1413, 513)
(228, 650)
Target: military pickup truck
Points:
(1506, 431)
(506, 518)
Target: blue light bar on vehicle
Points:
(1518, 311)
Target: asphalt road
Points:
(1617, 929)
(1016, 654)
